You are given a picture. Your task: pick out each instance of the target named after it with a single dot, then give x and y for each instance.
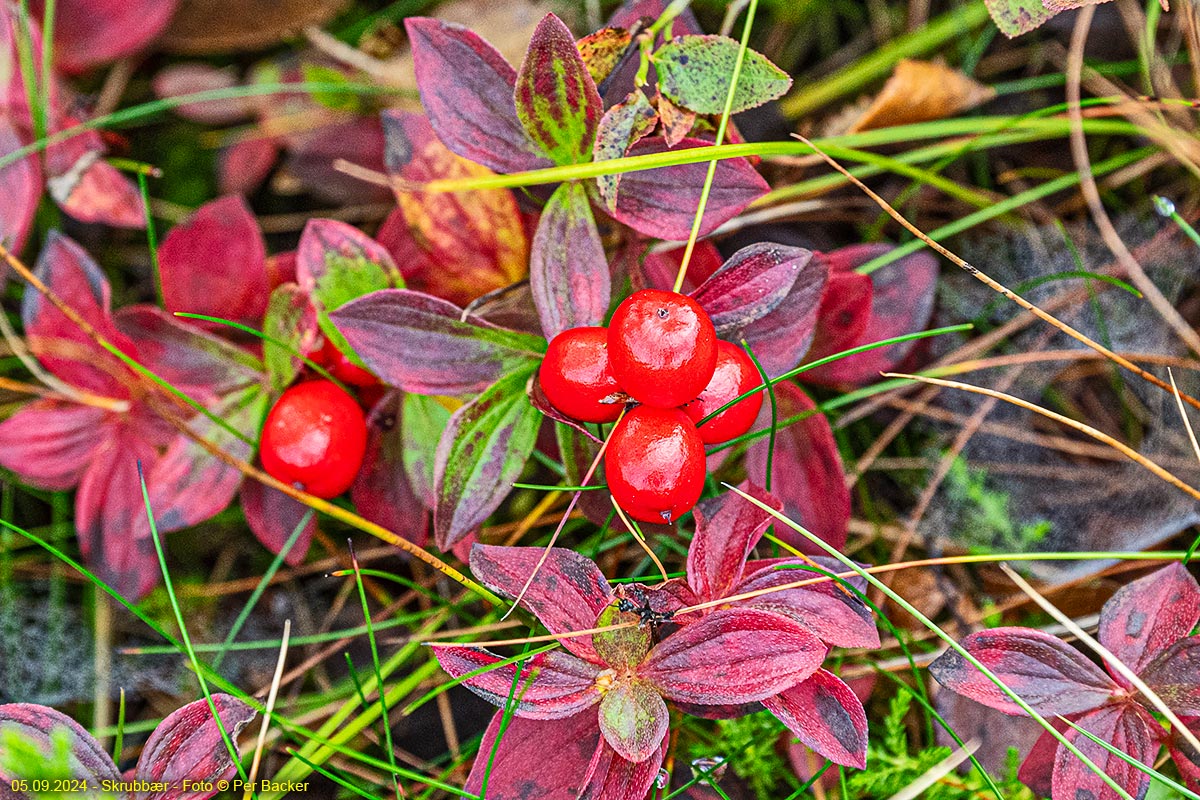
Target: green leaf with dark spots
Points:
(694, 73)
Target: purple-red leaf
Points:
(482, 451)
(521, 769)
(273, 518)
(568, 272)
(382, 492)
(780, 339)
(467, 89)
(1127, 727)
(732, 656)
(182, 79)
(58, 342)
(555, 96)
(902, 302)
(88, 33)
(187, 485)
(49, 443)
(421, 344)
(616, 778)
(807, 472)
(620, 127)
(662, 202)
(188, 745)
(110, 514)
(1147, 616)
(89, 188)
(568, 593)
(1184, 755)
(336, 262)
(727, 529)
(842, 320)
(551, 685)
(628, 14)
(22, 183)
(634, 720)
(40, 726)
(836, 615)
(1050, 675)
(455, 245)
(214, 263)
(826, 716)
(750, 285)
(1175, 676)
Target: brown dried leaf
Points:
(919, 91)
(225, 26)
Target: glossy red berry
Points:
(663, 347)
(576, 376)
(341, 367)
(315, 437)
(654, 464)
(734, 376)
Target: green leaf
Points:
(694, 73)
(285, 323)
(338, 101)
(483, 450)
(423, 420)
(1014, 17)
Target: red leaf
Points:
(88, 33)
(826, 716)
(521, 769)
(902, 302)
(841, 322)
(89, 188)
(750, 285)
(735, 655)
(58, 342)
(1184, 755)
(807, 472)
(22, 183)
(621, 126)
(178, 80)
(38, 725)
(727, 530)
(1037, 770)
(551, 685)
(662, 202)
(188, 485)
(467, 89)
(110, 514)
(455, 245)
(382, 492)
(628, 14)
(837, 616)
(1127, 727)
(660, 268)
(1048, 674)
(780, 339)
(190, 359)
(1175, 676)
(244, 165)
(273, 517)
(568, 272)
(214, 263)
(634, 720)
(1147, 616)
(555, 96)
(49, 443)
(188, 745)
(313, 155)
(568, 593)
(423, 345)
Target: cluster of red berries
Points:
(661, 352)
(315, 435)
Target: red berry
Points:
(663, 347)
(576, 376)
(341, 367)
(315, 437)
(734, 376)
(655, 464)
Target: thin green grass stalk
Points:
(383, 708)
(183, 632)
(119, 740)
(722, 127)
(252, 601)
(820, 362)
(274, 644)
(928, 38)
(450, 684)
(353, 672)
(1154, 774)
(544, 487)
(1066, 181)
(49, 17)
(510, 706)
(314, 366)
(941, 634)
(151, 237)
(345, 784)
(29, 72)
(394, 578)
